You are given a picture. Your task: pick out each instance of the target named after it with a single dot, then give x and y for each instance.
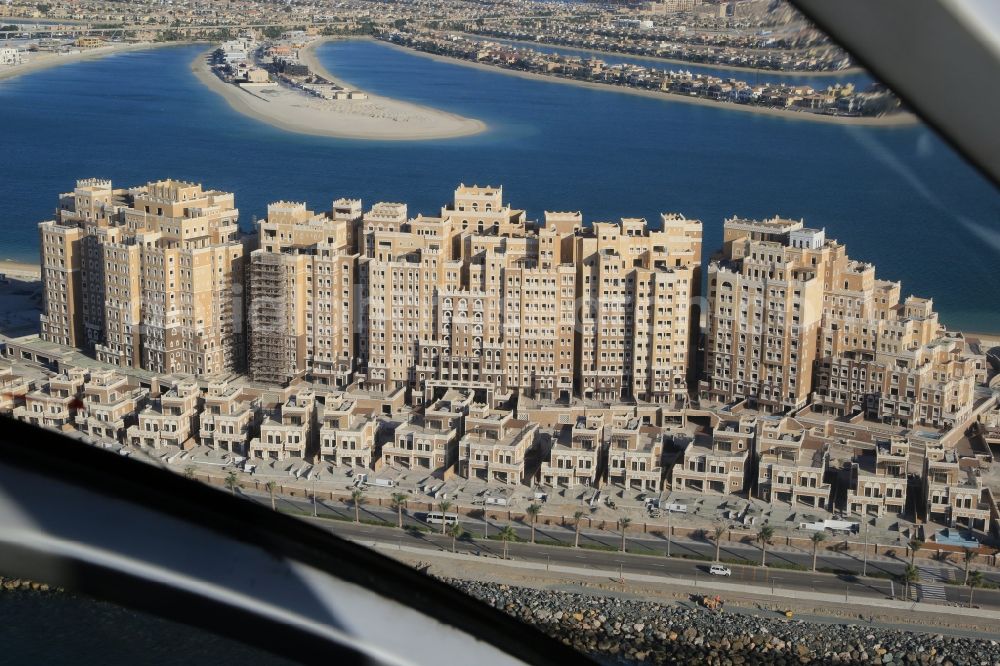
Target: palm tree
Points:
(817, 538)
(232, 482)
(764, 536)
(456, 531)
(969, 555)
(623, 523)
(717, 533)
(974, 580)
(507, 534)
(398, 502)
(271, 486)
(533, 510)
(357, 498)
(577, 517)
(916, 543)
(189, 472)
(910, 575)
(443, 507)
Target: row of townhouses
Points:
(802, 460)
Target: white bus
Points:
(436, 518)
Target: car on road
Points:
(719, 570)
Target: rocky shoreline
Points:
(618, 631)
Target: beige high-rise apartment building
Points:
(765, 310)
(637, 318)
(480, 298)
(149, 277)
(792, 319)
(407, 264)
(907, 382)
(508, 325)
(302, 300)
(62, 252)
(477, 298)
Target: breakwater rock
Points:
(620, 631)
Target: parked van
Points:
(436, 518)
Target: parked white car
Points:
(719, 570)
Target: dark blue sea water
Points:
(896, 196)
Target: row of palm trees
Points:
(764, 536)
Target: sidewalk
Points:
(688, 586)
(681, 536)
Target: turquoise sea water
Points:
(896, 196)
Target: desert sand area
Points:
(40, 61)
(377, 118)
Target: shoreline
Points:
(20, 269)
(675, 61)
(902, 119)
(376, 118)
(307, 55)
(50, 60)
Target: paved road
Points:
(849, 586)
(647, 555)
(655, 545)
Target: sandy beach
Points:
(375, 118)
(894, 120)
(46, 60)
(20, 298)
(20, 270)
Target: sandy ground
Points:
(378, 118)
(896, 119)
(987, 339)
(42, 61)
(20, 270)
(20, 298)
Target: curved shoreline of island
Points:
(376, 118)
(900, 119)
(673, 61)
(50, 60)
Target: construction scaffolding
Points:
(271, 346)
